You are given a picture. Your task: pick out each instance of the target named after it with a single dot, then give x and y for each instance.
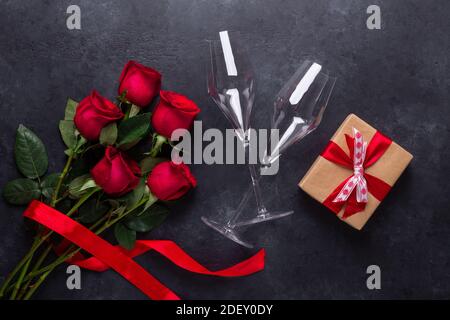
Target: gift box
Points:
(356, 171)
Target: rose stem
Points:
(57, 262)
(68, 254)
(19, 281)
(35, 272)
(36, 267)
(29, 255)
(19, 266)
(39, 242)
(60, 180)
(22, 274)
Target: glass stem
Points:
(255, 187)
(261, 209)
(237, 213)
(257, 190)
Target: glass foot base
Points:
(266, 217)
(228, 232)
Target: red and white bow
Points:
(357, 180)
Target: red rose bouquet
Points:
(109, 180)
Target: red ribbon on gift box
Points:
(105, 255)
(377, 187)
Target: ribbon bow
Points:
(357, 180)
(353, 191)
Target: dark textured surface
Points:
(396, 78)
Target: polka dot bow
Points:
(357, 180)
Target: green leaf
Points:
(31, 156)
(81, 140)
(71, 107)
(132, 130)
(78, 182)
(119, 211)
(108, 135)
(69, 152)
(21, 191)
(79, 186)
(148, 163)
(157, 144)
(67, 130)
(91, 211)
(88, 185)
(133, 197)
(139, 191)
(149, 219)
(150, 201)
(125, 236)
(127, 146)
(48, 184)
(134, 110)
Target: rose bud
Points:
(170, 181)
(116, 174)
(141, 83)
(93, 113)
(174, 111)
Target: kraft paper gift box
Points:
(325, 176)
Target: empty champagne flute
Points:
(298, 110)
(231, 85)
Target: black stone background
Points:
(396, 78)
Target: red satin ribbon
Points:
(105, 255)
(377, 187)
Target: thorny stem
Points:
(44, 272)
(19, 281)
(29, 255)
(60, 180)
(39, 241)
(38, 264)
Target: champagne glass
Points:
(231, 81)
(231, 85)
(298, 111)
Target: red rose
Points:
(93, 113)
(174, 111)
(170, 181)
(116, 174)
(141, 83)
